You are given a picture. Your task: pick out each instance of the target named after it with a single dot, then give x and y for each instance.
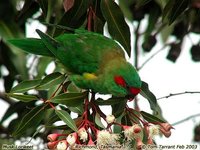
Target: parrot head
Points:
(124, 80)
(130, 90)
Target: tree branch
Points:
(152, 56)
(5, 98)
(136, 47)
(181, 93)
(188, 118)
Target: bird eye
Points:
(127, 87)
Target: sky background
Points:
(164, 77)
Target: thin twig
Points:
(136, 47)
(152, 56)
(189, 37)
(181, 93)
(188, 118)
(5, 98)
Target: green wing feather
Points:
(81, 52)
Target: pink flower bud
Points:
(133, 132)
(90, 142)
(166, 133)
(150, 141)
(166, 126)
(139, 144)
(53, 137)
(52, 145)
(137, 130)
(165, 129)
(126, 127)
(128, 132)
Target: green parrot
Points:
(95, 62)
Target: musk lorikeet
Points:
(95, 61)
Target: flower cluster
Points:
(89, 137)
(104, 137)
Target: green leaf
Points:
(118, 109)
(98, 24)
(51, 80)
(64, 116)
(8, 82)
(51, 91)
(126, 120)
(43, 62)
(26, 85)
(66, 85)
(166, 32)
(49, 42)
(117, 128)
(117, 25)
(146, 93)
(150, 118)
(173, 9)
(178, 8)
(10, 29)
(132, 114)
(31, 119)
(162, 4)
(44, 6)
(14, 60)
(125, 7)
(142, 2)
(31, 45)
(7, 58)
(110, 101)
(79, 109)
(98, 121)
(159, 113)
(23, 98)
(5, 30)
(38, 130)
(167, 9)
(29, 8)
(52, 118)
(70, 99)
(75, 16)
(60, 127)
(154, 15)
(15, 108)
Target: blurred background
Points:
(165, 50)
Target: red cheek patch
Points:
(119, 80)
(134, 91)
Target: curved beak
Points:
(132, 92)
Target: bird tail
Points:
(32, 45)
(45, 46)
